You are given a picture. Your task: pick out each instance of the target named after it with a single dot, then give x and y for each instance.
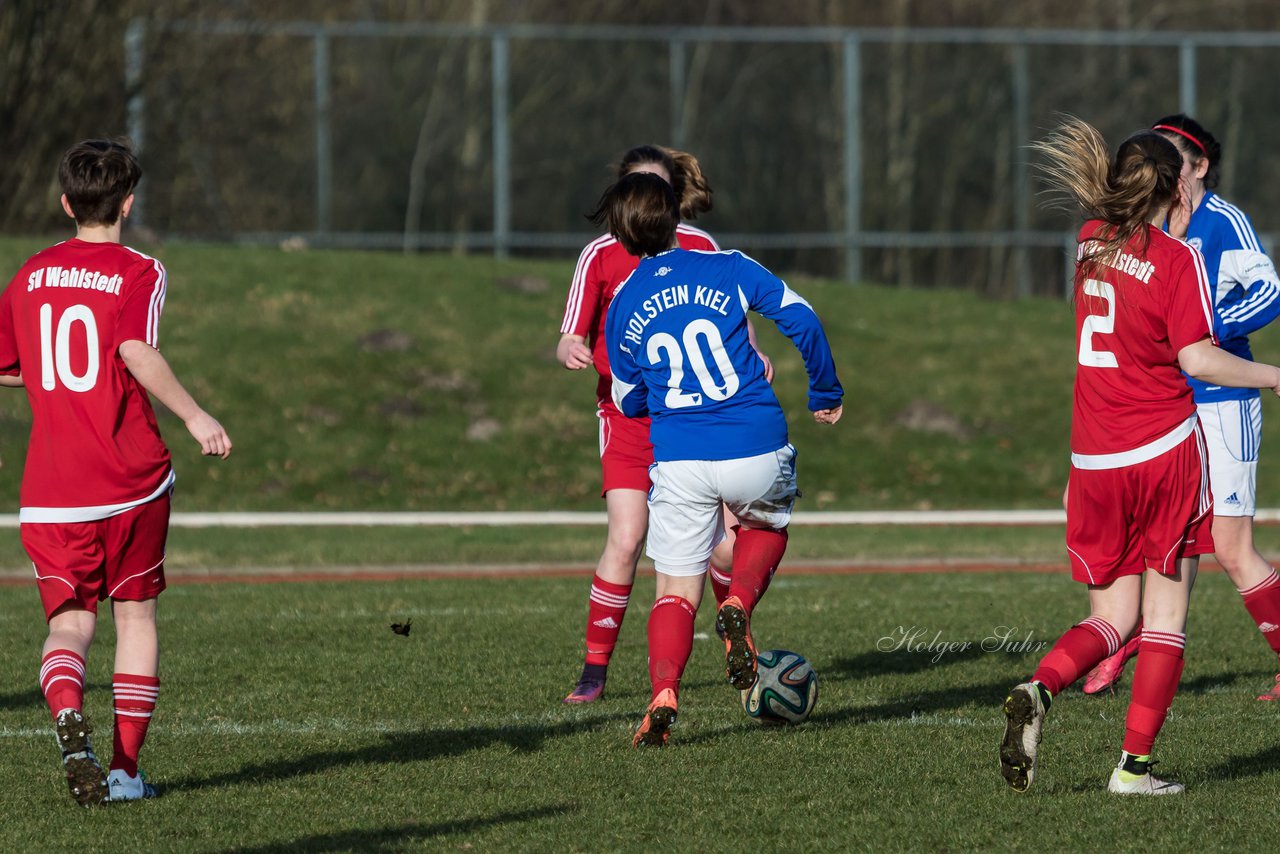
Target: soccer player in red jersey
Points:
(1139, 508)
(1246, 291)
(79, 327)
(625, 450)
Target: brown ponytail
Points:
(1125, 193)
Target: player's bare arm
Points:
(768, 364)
(1208, 363)
(573, 352)
(153, 371)
(11, 382)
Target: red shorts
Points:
(121, 557)
(625, 451)
(1122, 520)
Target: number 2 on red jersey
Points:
(1091, 355)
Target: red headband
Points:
(1182, 133)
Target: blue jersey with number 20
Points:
(680, 353)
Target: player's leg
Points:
(135, 688)
(625, 457)
(684, 523)
(1177, 526)
(721, 569)
(1155, 679)
(1113, 609)
(761, 492)
(68, 566)
(1233, 433)
(1254, 578)
(135, 575)
(1105, 555)
(62, 660)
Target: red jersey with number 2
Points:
(1132, 318)
(95, 447)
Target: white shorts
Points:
(685, 520)
(1232, 433)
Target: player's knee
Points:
(1124, 619)
(626, 541)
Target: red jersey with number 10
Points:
(1132, 318)
(95, 448)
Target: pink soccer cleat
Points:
(590, 685)
(1109, 670)
(586, 691)
(1274, 693)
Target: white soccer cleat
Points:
(128, 788)
(85, 779)
(1024, 716)
(1124, 783)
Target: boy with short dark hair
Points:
(78, 329)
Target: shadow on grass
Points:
(402, 747)
(989, 695)
(896, 662)
(1212, 682)
(21, 699)
(33, 697)
(1265, 761)
(395, 838)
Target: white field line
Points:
(506, 519)
(339, 726)
(327, 519)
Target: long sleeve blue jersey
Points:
(680, 352)
(1246, 292)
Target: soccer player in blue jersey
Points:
(1246, 294)
(679, 352)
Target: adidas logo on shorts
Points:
(608, 623)
(1231, 499)
(1267, 628)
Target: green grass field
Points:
(359, 380)
(292, 718)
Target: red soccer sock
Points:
(1263, 603)
(719, 584)
(605, 611)
(670, 641)
(1155, 681)
(135, 700)
(756, 554)
(62, 681)
(1076, 653)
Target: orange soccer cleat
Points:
(733, 623)
(656, 726)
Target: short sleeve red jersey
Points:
(95, 447)
(1132, 318)
(602, 267)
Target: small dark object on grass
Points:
(402, 628)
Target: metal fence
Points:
(1012, 52)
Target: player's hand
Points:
(573, 354)
(768, 367)
(1067, 489)
(828, 416)
(214, 441)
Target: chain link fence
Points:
(890, 155)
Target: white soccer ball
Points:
(785, 691)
